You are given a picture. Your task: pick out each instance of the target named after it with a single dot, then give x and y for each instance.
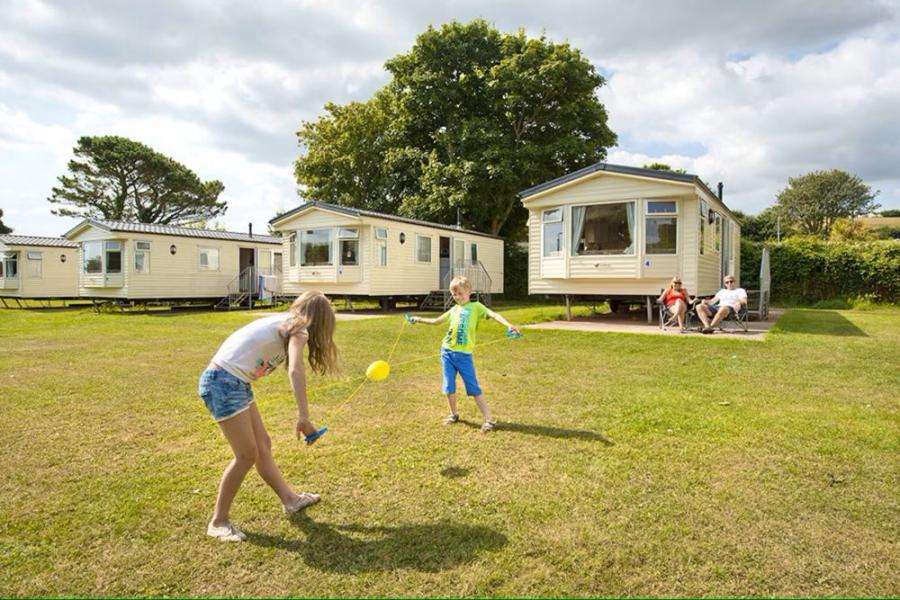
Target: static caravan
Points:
(148, 262)
(360, 253)
(38, 267)
(621, 233)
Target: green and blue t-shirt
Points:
(464, 319)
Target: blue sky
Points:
(745, 93)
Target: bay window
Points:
(553, 232)
(348, 239)
(9, 265)
(603, 229)
(316, 248)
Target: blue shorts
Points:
(715, 308)
(459, 362)
(224, 394)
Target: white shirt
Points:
(733, 298)
(254, 350)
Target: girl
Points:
(677, 300)
(249, 353)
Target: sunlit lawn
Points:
(623, 465)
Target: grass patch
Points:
(623, 465)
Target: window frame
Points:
(293, 250)
(201, 250)
(7, 258)
(144, 253)
(473, 252)
(419, 238)
(634, 229)
(84, 257)
(656, 215)
(562, 232)
(34, 259)
(331, 239)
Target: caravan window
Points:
(553, 232)
(718, 241)
(34, 264)
(603, 229)
(349, 244)
(423, 248)
(141, 257)
(292, 249)
(209, 259)
(9, 265)
(474, 252)
(660, 232)
(93, 257)
(315, 248)
(113, 257)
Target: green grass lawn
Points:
(623, 465)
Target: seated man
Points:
(726, 301)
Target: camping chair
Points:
(667, 319)
(735, 321)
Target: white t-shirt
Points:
(733, 298)
(254, 350)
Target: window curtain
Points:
(629, 214)
(578, 213)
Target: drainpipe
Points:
(720, 186)
(250, 225)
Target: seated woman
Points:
(677, 300)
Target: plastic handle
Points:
(309, 439)
(409, 319)
(512, 334)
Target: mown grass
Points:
(624, 465)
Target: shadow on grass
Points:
(554, 432)
(818, 322)
(359, 548)
(455, 472)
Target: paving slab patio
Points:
(637, 323)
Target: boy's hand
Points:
(304, 427)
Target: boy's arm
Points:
(433, 321)
(499, 318)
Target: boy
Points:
(456, 351)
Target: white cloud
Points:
(749, 94)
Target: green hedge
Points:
(515, 271)
(807, 270)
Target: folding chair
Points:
(667, 319)
(735, 320)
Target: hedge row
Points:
(807, 270)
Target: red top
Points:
(673, 295)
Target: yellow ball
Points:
(378, 370)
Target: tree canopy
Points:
(470, 117)
(118, 179)
(813, 202)
(658, 166)
(3, 227)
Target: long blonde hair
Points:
(312, 313)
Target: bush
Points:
(809, 270)
(515, 271)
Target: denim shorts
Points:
(715, 308)
(224, 394)
(459, 362)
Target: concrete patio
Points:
(636, 322)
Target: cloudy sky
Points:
(748, 93)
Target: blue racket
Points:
(309, 439)
(409, 319)
(513, 334)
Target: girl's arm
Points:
(297, 375)
(433, 321)
(499, 318)
(661, 296)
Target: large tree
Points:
(3, 227)
(119, 179)
(471, 117)
(813, 202)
